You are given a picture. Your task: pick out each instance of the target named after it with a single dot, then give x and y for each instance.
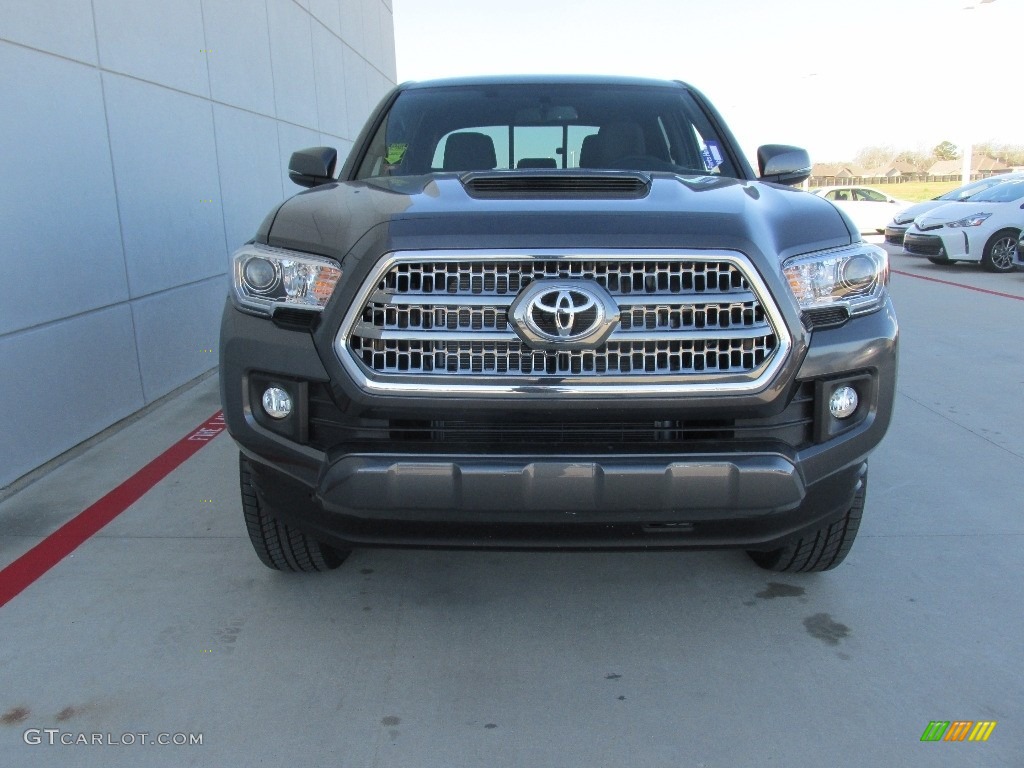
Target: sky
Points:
(833, 76)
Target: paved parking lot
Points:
(164, 623)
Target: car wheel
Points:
(281, 546)
(998, 253)
(940, 260)
(820, 550)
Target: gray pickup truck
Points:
(543, 312)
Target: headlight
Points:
(969, 221)
(264, 278)
(901, 219)
(853, 277)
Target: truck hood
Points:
(665, 211)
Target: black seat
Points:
(588, 152)
(469, 152)
(612, 143)
(537, 162)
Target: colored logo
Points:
(958, 730)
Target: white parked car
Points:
(870, 208)
(897, 228)
(983, 229)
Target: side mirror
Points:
(783, 164)
(313, 167)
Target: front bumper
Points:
(953, 244)
(689, 493)
(894, 233)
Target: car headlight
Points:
(901, 219)
(265, 278)
(852, 276)
(973, 220)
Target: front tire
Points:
(998, 253)
(820, 550)
(278, 545)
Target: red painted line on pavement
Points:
(20, 574)
(959, 285)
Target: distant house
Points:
(897, 170)
(982, 166)
(830, 174)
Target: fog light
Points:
(277, 403)
(842, 404)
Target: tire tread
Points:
(277, 544)
(820, 550)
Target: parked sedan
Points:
(983, 229)
(870, 208)
(896, 228)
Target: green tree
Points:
(946, 150)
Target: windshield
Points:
(545, 126)
(969, 190)
(1001, 193)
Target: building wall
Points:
(140, 143)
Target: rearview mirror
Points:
(313, 166)
(783, 164)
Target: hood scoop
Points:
(559, 185)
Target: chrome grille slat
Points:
(619, 277)
(708, 334)
(625, 358)
(440, 321)
(632, 300)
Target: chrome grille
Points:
(440, 321)
(618, 276)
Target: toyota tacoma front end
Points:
(555, 313)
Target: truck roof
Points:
(539, 80)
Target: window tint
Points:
(869, 195)
(554, 126)
(498, 135)
(1001, 193)
(962, 193)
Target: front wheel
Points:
(278, 545)
(998, 253)
(820, 550)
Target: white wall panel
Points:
(386, 62)
(329, 68)
(239, 57)
(161, 41)
(357, 98)
(352, 24)
(328, 13)
(58, 212)
(31, 22)
(132, 149)
(165, 164)
(371, 30)
(178, 333)
(291, 55)
(250, 170)
(78, 377)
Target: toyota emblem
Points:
(552, 314)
